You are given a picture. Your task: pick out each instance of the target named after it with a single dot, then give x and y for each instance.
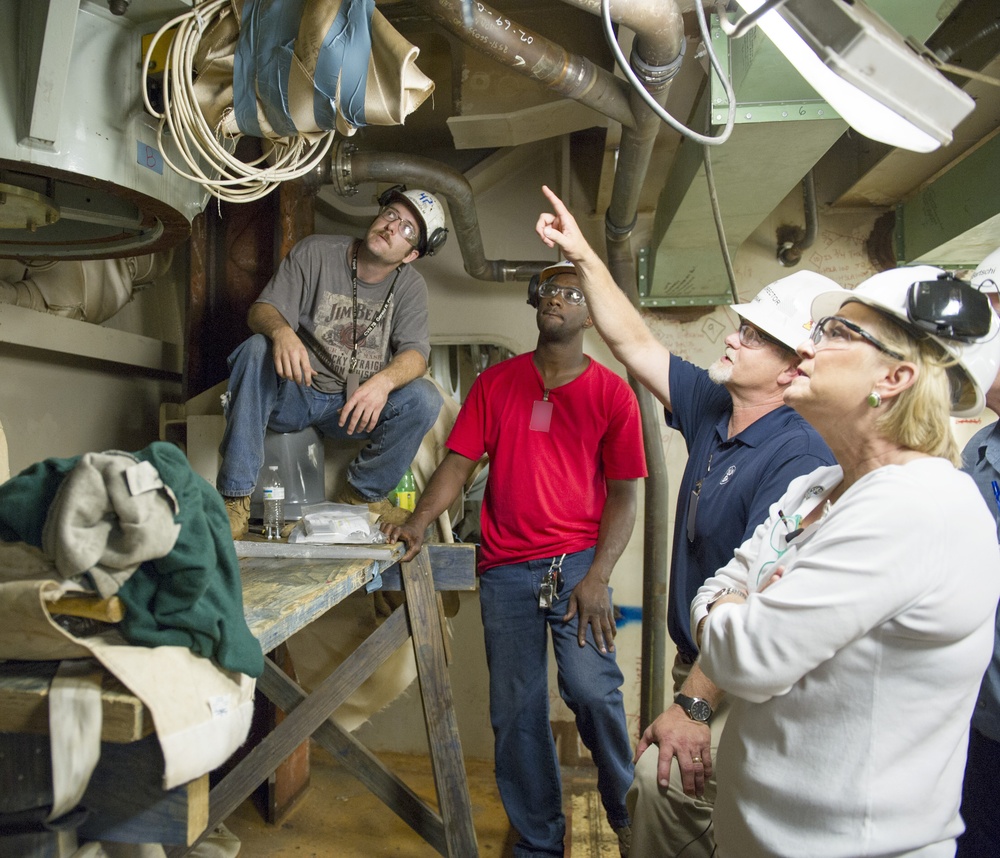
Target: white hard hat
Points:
(889, 293)
(555, 269)
(986, 277)
(782, 308)
(429, 212)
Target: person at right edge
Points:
(981, 460)
(744, 447)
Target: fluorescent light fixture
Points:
(866, 71)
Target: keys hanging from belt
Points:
(551, 584)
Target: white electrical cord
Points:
(716, 140)
(208, 152)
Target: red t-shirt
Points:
(546, 489)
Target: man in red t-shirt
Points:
(564, 441)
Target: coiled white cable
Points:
(209, 152)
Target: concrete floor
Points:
(338, 818)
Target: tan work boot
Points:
(238, 510)
(383, 509)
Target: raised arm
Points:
(616, 320)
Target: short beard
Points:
(721, 372)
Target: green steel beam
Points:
(955, 221)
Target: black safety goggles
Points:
(950, 308)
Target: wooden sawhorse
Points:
(293, 585)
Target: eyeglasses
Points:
(548, 289)
(837, 332)
(751, 338)
(406, 229)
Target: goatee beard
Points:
(721, 372)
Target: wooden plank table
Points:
(286, 587)
(284, 593)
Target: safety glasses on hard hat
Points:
(950, 308)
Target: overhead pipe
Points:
(792, 240)
(656, 56)
(533, 55)
(658, 26)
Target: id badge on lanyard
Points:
(353, 382)
(541, 414)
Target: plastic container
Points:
(274, 503)
(300, 457)
(405, 495)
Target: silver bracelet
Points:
(725, 591)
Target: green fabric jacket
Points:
(193, 596)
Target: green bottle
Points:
(405, 495)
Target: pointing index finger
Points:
(557, 203)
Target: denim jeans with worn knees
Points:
(258, 399)
(527, 768)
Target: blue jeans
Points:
(258, 399)
(527, 769)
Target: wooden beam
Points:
(24, 703)
(454, 567)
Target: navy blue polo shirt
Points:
(741, 477)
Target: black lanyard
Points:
(379, 316)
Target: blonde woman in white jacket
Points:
(852, 630)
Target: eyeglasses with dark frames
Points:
(406, 229)
(754, 338)
(836, 331)
(549, 289)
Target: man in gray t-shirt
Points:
(340, 342)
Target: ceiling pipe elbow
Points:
(658, 25)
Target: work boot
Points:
(382, 509)
(238, 510)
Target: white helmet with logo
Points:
(429, 212)
(782, 308)
(986, 277)
(977, 362)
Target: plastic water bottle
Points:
(274, 504)
(405, 495)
